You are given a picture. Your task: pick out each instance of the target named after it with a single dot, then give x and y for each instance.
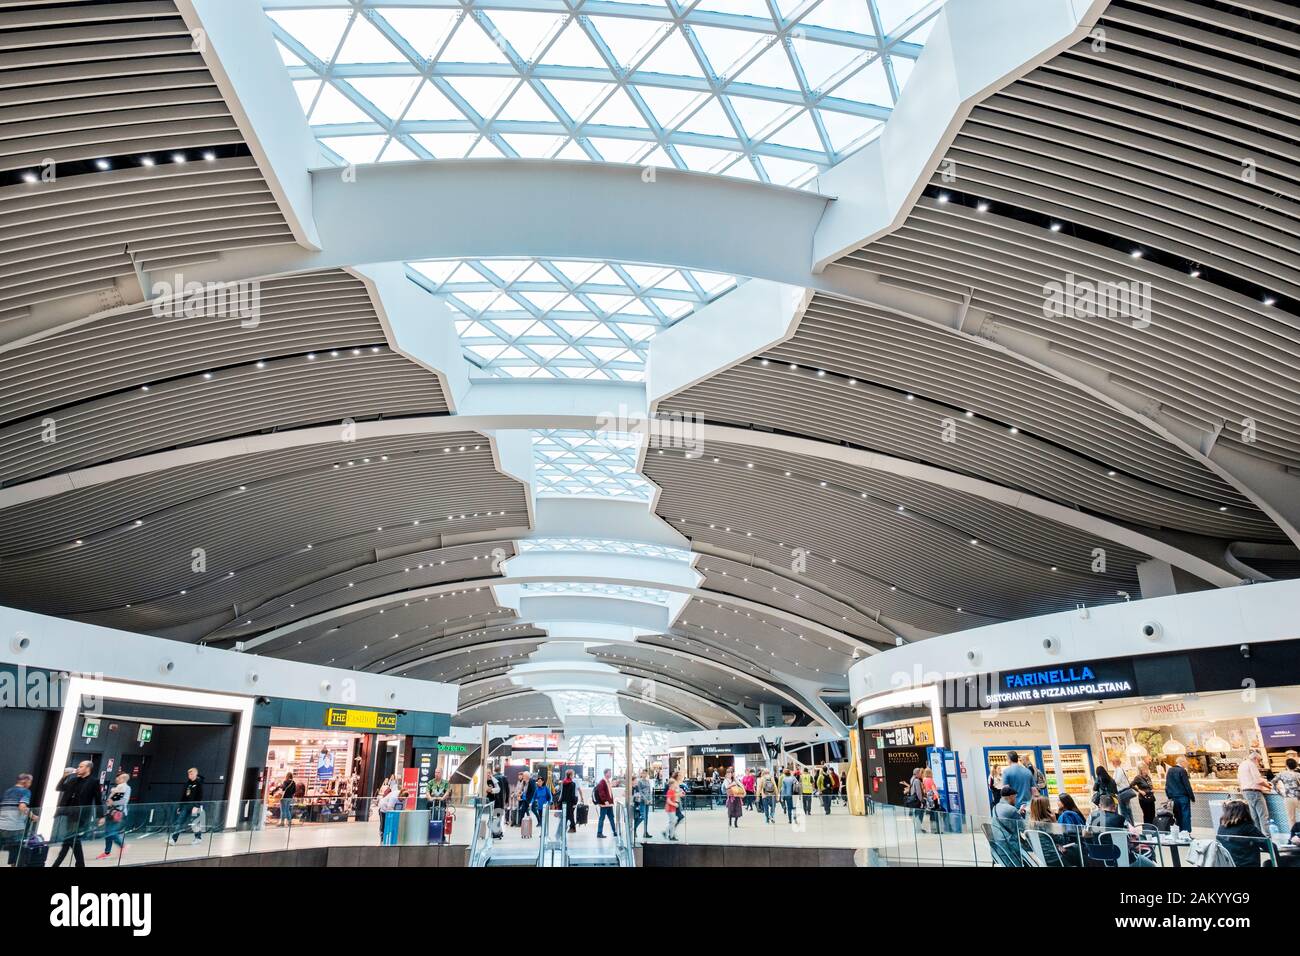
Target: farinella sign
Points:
(1068, 682)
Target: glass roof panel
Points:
(605, 546)
(724, 76)
(573, 463)
(574, 317)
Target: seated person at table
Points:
(1107, 817)
(1069, 815)
(1238, 834)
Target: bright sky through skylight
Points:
(770, 91)
(530, 318)
(572, 463)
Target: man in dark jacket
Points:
(190, 808)
(78, 807)
(1178, 788)
(604, 797)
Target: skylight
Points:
(571, 463)
(531, 318)
(774, 91)
(575, 589)
(640, 549)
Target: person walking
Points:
(78, 806)
(735, 802)
(788, 784)
(115, 816)
(569, 800)
(541, 798)
(644, 795)
(1178, 789)
(672, 804)
(1254, 788)
(1125, 791)
(766, 788)
(189, 812)
(1020, 778)
(824, 788)
(915, 801)
(749, 782)
(604, 797)
(15, 812)
(1146, 792)
(806, 788)
(288, 789)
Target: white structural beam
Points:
(60, 644)
(234, 38)
(1261, 612)
(741, 324)
(417, 325)
(975, 48)
(1150, 543)
(658, 705)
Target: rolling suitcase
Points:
(526, 827)
(33, 852)
(494, 824)
(582, 813)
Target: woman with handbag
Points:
(115, 815)
(735, 801)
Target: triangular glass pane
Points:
(485, 149)
(609, 304)
(710, 120)
(470, 44)
(487, 352)
(571, 150)
(570, 304)
(318, 30)
(513, 328)
(627, 38)
(477, 301)
(356, 149)
(365, 44)
(618, 110)
(576, 271)
(533, 147)
(485, 93)
(725, 48)
(466, 274)
(894, 13)
(846, 130)
(547, 352)
(396, 152)
(658, 157)
(446, 145)
(431, 104)
(712, 282)
(646, 276)
(673, 57)
(823, 63)
(702, 158)
(525, 105)
(759, 116)
(675, 281)
(868, 85)
(573, 48)
(543, 301)
(424, 29)
(333, 107)
(606, 276)
(771, 69)
(389, 93)
(576, 328)
(799, 133)
(526, 32)
(476, 330)
(616, 150)
(576, 97)
(435, 272)
(536, 273)
(852, 16)
(507, 270)
(668, 104)
(786, 172)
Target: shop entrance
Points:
(330, 769)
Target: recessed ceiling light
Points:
(146, 160)
(29, 177)
(983, 207)
(1055, 227)
(102, 164)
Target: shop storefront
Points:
(1141, 712)
(341, 756)
(703, 760)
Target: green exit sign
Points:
(90, 728)
(453, 748)
(145, 735)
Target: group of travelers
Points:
(1242, 833)
(85, 803)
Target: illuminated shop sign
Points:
(1090, 681)
(360, 719)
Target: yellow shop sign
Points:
(360, 719)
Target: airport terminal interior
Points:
(650, 433)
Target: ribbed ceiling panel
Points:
(115, 82)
